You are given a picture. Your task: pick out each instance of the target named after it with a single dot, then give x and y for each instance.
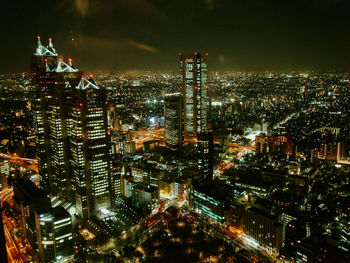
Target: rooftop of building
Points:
(215, 189)
(264, 212)
(146, 187)
(27, 191)
(59, 212)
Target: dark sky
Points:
(148, 34)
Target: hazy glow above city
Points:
(249, 35)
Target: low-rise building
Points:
(211, 200)
(262, 229)
(146, 196)
(54, 234)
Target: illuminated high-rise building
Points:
(90, 148)
(205, 155)
(70, 122)
(52, 78)
(194, 90)
(173, 120)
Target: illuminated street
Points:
(12, 251)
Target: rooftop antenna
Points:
(46, 65)
(50, 43)
(39, 43)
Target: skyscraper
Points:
(90, 146)
(194, 91)
(173, 125)
(52, 78)
(72, 137)
(205, 155)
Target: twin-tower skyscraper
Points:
(72, 136)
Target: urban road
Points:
(12, 250)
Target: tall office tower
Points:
(194, 91)
(90, 148)
(173, 125)
(53, 79)
(54, 234)
(205, 155)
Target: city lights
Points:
(158, 152)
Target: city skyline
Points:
(232, 153)
(261, 177)
(147, 35)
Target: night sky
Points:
(245, 35)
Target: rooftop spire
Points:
(39, 42)
(87, 83)
(45, 51)
(50, 43)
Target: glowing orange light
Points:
(70, 60)
(81, 104)
(50, 39)
(38, 37)
(195, 53)
(91, 76)
(195, 87)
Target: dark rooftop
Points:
(27, 191)
(215, 189)
(59, 212)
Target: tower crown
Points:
(45, 51)
(63, 67)
(87, 83)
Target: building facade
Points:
(194, 91)
(4, 174)
(90, 148)
(72, 136)
(209, 206)
(205, 155)
(173, 125)
(52, 79)
(54, 235)
(262, 229)
(147, 196)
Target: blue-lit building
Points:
(54, 235)
(211, 200)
